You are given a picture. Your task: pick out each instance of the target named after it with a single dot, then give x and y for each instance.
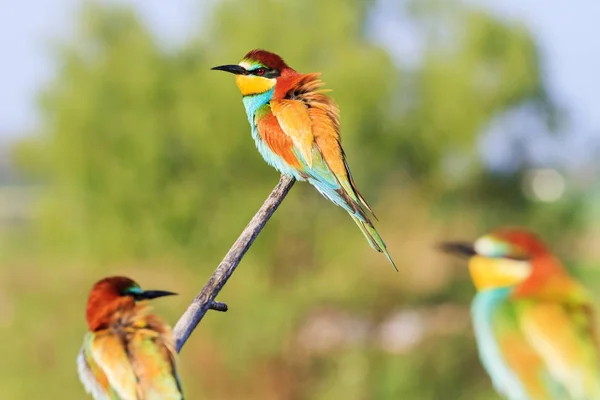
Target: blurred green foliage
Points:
(148, 169)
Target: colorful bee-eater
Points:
(534, 323)
(297, 130)
(128, 353)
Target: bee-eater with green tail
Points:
(534, 323)
(128, 353)
(296, 128)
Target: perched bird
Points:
(296, 128)
(128, 353)
(533, 322)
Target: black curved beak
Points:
(233, 69)
(153, 294)
(463, 249)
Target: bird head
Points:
(121, 286)
(112, 293)
(503, 258)
(257, 72)
(511, 243)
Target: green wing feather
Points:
(90, 374)
(521, 359)
(138, 365)
(154, 360)
(563, 336)
(107, 350)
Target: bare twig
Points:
(218, 306)
(205, 299)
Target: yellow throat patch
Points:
(251, 84)
(489, 273)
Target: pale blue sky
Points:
(568, 32)
(27, 27)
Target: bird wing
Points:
(310, 120)
(90, 374)
(302, 128)
(295, 123)
(278, 141)
(563, 335)
(514, 366)
(153, 358)
(108, 352)
(522, 358)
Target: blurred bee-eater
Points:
(128, 353)
(533, 322)
(296, 128)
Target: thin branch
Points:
(206, 298)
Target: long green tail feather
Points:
(375, 241)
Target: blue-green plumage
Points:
(260, 103)
(485, 307)
(128, 353)
(318, 174)
(495, 314)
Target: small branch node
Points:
(205, 300)
(218, 306)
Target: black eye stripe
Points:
(517, 258)
(509, 257)
(260, 71)
(136, 296)
(265, 72)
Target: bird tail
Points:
(373, 238)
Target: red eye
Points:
(259, 71)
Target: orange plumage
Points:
(534, 323)
(296, 127)
(128, 353)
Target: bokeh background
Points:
(121, 153)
